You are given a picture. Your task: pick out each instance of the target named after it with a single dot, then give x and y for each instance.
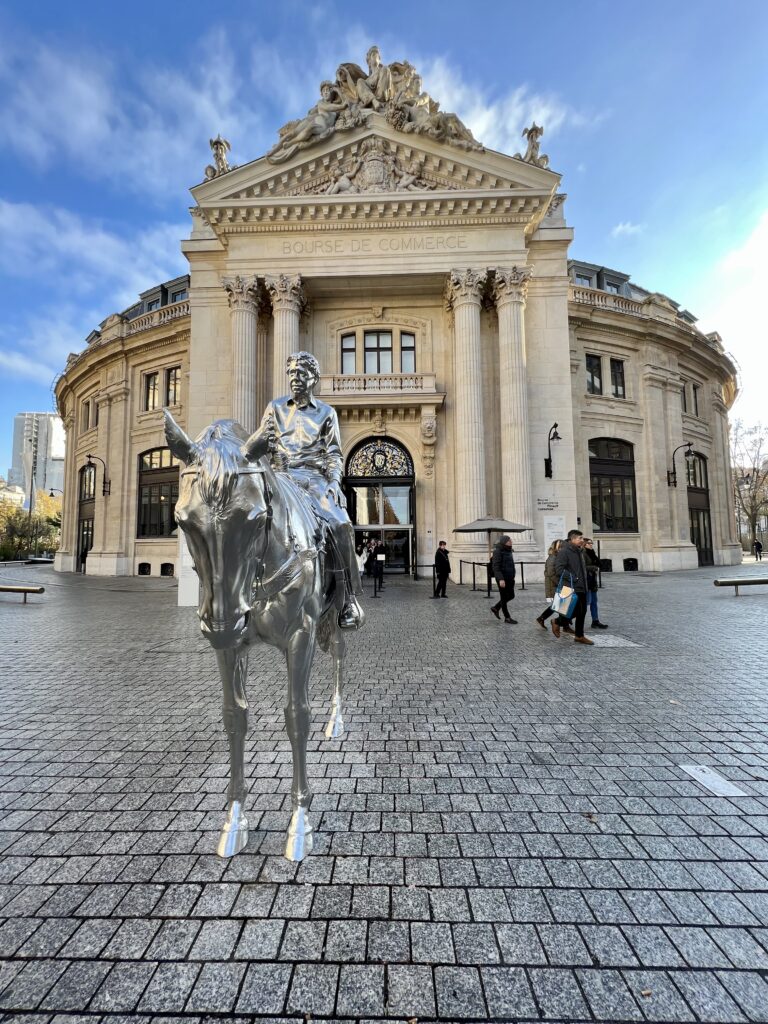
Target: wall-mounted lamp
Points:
(51, 492)
(106, 486)
(672, 473)
(553, 436)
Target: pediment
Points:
(371, 160)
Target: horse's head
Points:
(224, 509)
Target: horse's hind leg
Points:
(335, 728)
(233, 668)
(299, 655)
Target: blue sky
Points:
(654, 114)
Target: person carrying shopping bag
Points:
(569, 563)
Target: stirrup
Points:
(351, 615)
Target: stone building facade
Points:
(431, 279)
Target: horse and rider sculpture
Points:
(265, 522)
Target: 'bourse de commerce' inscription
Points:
(387, 243)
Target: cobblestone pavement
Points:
(505, 832)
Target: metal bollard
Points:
(522, 575)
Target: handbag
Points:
(565, 600)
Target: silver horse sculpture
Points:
(259, 554)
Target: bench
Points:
(745, 581)
(7, 588)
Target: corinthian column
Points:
(287, 295)
(509, 290)
(463, 293)
(243, 297)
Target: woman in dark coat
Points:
(550, 580)
(503, 568)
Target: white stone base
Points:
(666, 558)
(64, 561)
(108, 563)
(731, 554)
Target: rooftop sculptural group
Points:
(394, 90)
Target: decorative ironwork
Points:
(380, 457)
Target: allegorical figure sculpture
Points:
(273, 548)
(533, 135)
(219, 147)
(393, 90)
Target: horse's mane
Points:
(219, 457)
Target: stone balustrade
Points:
(378, 383)
(606, 300)
(157, 317)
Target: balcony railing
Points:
(606, 300)
(157, 317)
(378, 384)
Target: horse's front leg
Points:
(335, 728)
(299, 653)
(233, 668)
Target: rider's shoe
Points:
(351, 615)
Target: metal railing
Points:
(486, 567)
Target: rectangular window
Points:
(695, 393)
(179, 296)
(584, 281)
(407, 353)
(617, 378)
(594, 375)
(378, 352)
(151, 391)
(684, 397)
(95, 413)
(85, 416)
(173, 386)
(153, 304)
(614, 289)
(348, 353)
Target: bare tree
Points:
(749, 462)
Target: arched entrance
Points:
(698, 507)
(86, 506)
(379, 486)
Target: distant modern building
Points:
(11, 494)
(474, 367)
(39, 447)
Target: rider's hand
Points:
(335, 492)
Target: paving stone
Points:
(652, 946)
(169, 988)
(173, 941)
(260, 940)
(131, 939)
(313, 989)
(608, 996)
(361, 991)
(740, 948)
(265, 989)
(519, 944)
(607, 946)
(707, 997)
(346, 941)
(48, 939)
(508, 993)
(411, 992)
(658, 997)
(303, 940)
(30, 982)
(557, 993)
(216, 988)
(749, 990)
(432, 943)
(475, 944)
(76, 987)
(389, 941)
(459, 992)
(123, 987)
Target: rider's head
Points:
(303, 372)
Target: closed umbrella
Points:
(489, 525)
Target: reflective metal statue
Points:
(273, 547)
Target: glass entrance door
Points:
(701, 534)
(84, 542)
(383, 511)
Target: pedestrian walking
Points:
(503, 566)
(550, 580)
(758, 551)
(570, 560)
(442, 568)
(593, 564)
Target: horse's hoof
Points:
(300, 841)
(234, 835)
(335, 728)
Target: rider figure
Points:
(300, 434)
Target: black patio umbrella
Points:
(489, 525)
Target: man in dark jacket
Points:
(570, 560)
(503, 568)
(442, 569)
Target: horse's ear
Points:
(182, 446)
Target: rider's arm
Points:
(258, 444)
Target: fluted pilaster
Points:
(463, 293)
(242, 293)
(509, 292)
(287, 296)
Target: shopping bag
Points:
(565, 600)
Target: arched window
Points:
(380, 458)
(612, 484)
(87, 490)
(158, 493)
(696, 472)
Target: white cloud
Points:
(84, 270)
(731, 302)
(138, 126)
(626, 228)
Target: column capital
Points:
(465, 286)
(511, 284)
(286, 291)
(242, 292)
